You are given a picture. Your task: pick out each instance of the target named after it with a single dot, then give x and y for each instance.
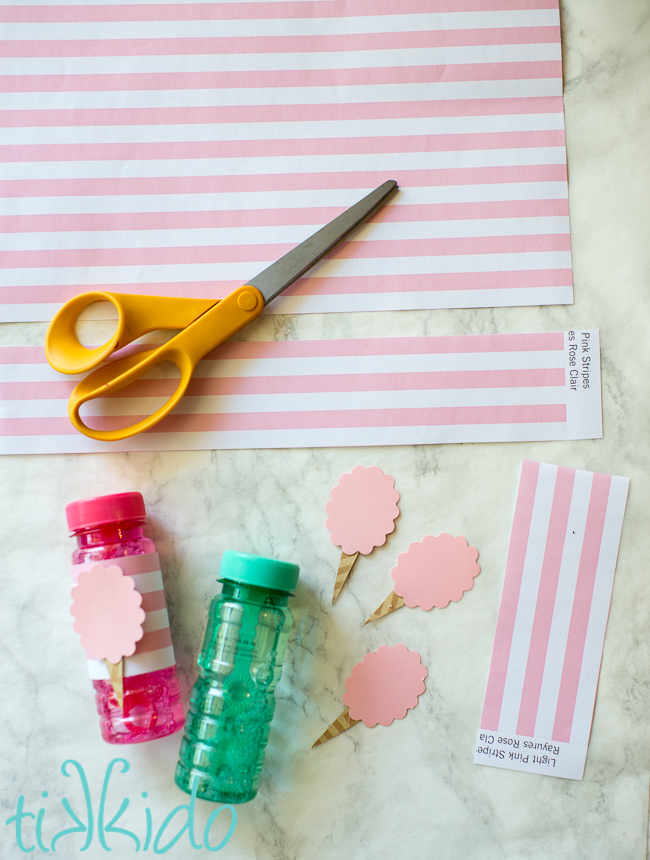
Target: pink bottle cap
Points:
(87, 513)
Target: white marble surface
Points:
(410, 790)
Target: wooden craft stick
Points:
(341, 724)
(116, 671)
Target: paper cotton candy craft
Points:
(381, 688)
(361, 514)
(431, 573)
(108, 617)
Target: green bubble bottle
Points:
(232, 703)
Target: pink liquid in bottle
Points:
(110, 528)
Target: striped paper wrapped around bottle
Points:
(155, 650)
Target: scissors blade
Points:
(300, 259)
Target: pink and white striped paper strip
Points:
(288, 394)
(179, 148)
(548, 645)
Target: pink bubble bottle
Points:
(110, 528)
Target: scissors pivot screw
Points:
(247, 301)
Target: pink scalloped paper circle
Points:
(362, 510)
(435, 571)
(384, 685)
(108, 613)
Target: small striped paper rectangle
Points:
(180, 148)
(324, 393)
(548, 644)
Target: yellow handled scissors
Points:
(205, 323)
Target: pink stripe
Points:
(315, 216)
(510, 596)
(269, 148)
(131, 565)
(243, 10)
(308, 420)
(421, 381)
(458, 281)
(21, 355)
(134, 81)
(154, 641)
(534, 279)
(277, 44)
(395, 214)
(468, 245)
(237, 113)
(443, 345)
(581, 608)
(280, 78)
(369, 249)
(279, 181)
(205, 386)
(154, 600)
(545, 601)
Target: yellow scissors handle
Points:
(219, 322)
(136, 315)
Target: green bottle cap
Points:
(256, 570)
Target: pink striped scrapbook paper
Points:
(179, 148)
(548, 644)
(322, 393)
